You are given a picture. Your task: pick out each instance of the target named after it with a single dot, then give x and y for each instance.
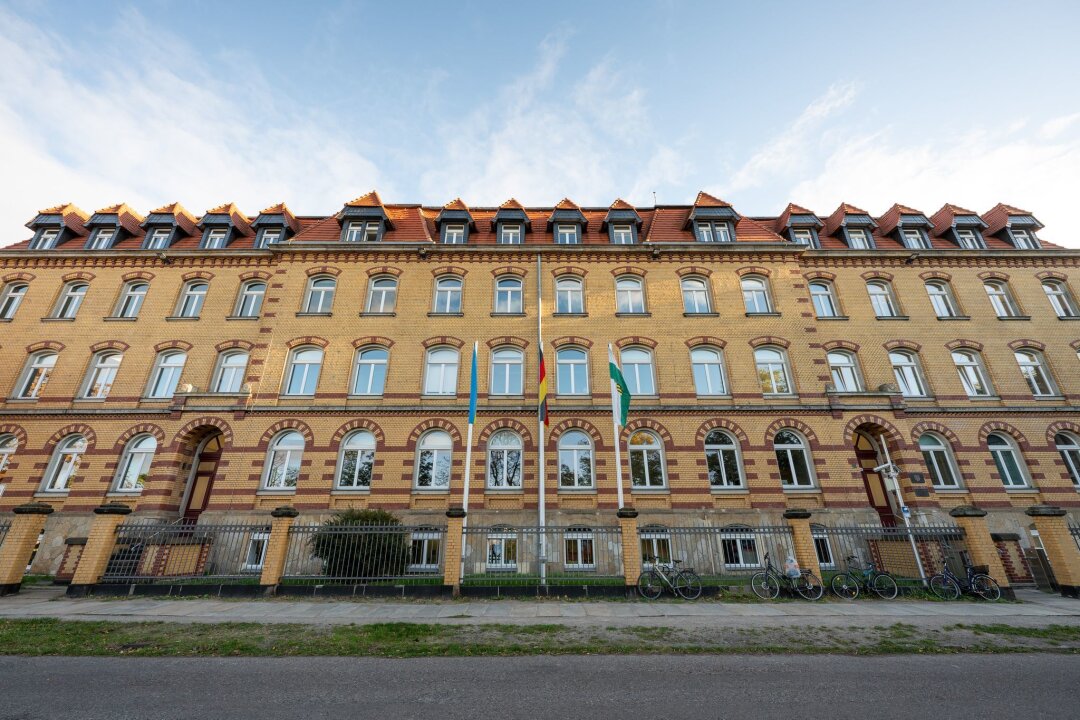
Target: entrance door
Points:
(203, 471)
(866, 454)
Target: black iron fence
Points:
(721, 556)
(365, 554)
(530, 556)
(187, 554)
(908, 554)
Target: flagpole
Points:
(542, 487)
(468, 447)
(615, 426)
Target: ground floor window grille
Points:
(256, 552)
(424, 551)
(578, 548)
(740, 550)
(502, 551)
(823, 549)
(655, 544)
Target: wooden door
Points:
(867, 457)
(202, 481)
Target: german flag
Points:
(543, 410)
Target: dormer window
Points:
(47, 239)
(714, 232)
(567, 235)
(215, 239)
(1024, 239)
(269, 236)
(622, 234)
(362, 232)
(968, 239)
(915, 239)
(804, 236)
(510, 235)
(158, 239)
(454, 234)
(102, 239)
(858, 239)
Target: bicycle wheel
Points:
(986, 587)
(844, 586)
(884, 586)
(688, 585)
(944, 587)
(650, 585)
(809, 586)
(765, 586)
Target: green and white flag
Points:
(620, 394)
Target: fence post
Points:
(1060, 548)
(18, 546)
(277, 548)
(631, 546)
(980, 546)
(803, 540)
(99, 548)
(455, 547)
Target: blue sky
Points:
(759, 103)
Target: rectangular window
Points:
(159, 239)
(914, 239)
(823, 550)
(454, 235)
(1024, 240)
(804, 236)
(356, 232)
(425, 551)
(566, 235)
(857, 239)
(256, 552)
(47, 240)
(968, 239)
(578, 547)
(510, 235)
(102, 239)
(622, 234)
(502, 551)
(216, 239)
(740, 551)
(269, 237)
(655, 546)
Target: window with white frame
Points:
(165, 375)
(722, 460)
(739, 546)
(131, 299)
(637, 369)
(362, 232)
(441, 371)
(39, 368)
(1068, 446)
(755, 292)
(509, 234)
(707, 364)
(567, 235)
(622, 234)
(1024, 239)
(569, 296)
(135, 464)
(695, 294)
(772, 370)
(425, 550)
(249, 302)
(1033, 368)
(433, 455)
(858, 239)
(571, 371)
(71, 299)
(575, 460)
(158, 239)
(269, 237)
(714, 232)
(646, 461)
(255, 555)
(972, 373)
(454, 234)
(1061, 298)
(844, 370)
(793, 460)
(215, 239)
(357, 461)
(655, 543)
(230, 371)
(372, 364)
(64, 464)
(47, 239)
(937, 455)
(822, 546)
(803, 236)
(823, 298)
(448, 295)
(504, 461)
(102, 239)
(8, 445)
(507, 371)
(915, 239)
(941, 298)
(283, 461)
(302, 373)
(1010, 465)
(11, 298)
(629, 295)
(508, 295)
(101, 375)
(382, 295)
(908, 373)
(502, 550)
(192, 298)
(578, 549)
(881, 298)
(320, 295)
(1001, 298)
(968, 239)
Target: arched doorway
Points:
(871, 455)
(201, 475)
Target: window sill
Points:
(364, 397)
(314, 314)
(503, 491)
(451, 396)
(633, 314)
(430, 491)
(779, 396)
(564, 396)
(650, 491)
(345, 492)
(729, 491)
(802, 491)
(891, 317)
(88, 400)
(155, 400)
(701, 314)
(378, 314)
(577, 490)
(118, 318)
(1052, 398)
(714, 397)
(571, 315)
(57, 319)
(296, 397)
(1026, 490)
(241, 317)
(271, 492)
(179, 318)
(975, 398)
(949, 491)
(1068, 317)
(954, 317)
(507, 314)
(919, 398)
(22, 400)
(6, 319)
(1015, 317)
(832, 317)
(446, 314)
(123, 493)
(493, 396)
(51, 493)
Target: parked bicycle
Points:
(767, 583)
(947, 586)
(683, 583)
(848, 584)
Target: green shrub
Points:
(379, 550)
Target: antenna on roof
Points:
(654, 198)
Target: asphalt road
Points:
(599, 687)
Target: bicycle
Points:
(848, 583)
(947, 586)
(767, 583)
(683, 583)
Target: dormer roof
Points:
(798, 215)
(119, 216)
(66, 215)
(366, 207)
(511, 211)
(1002, 217)
(899, 216)
(227, 214)
(273, 213)
(845, 215)
(370, 199)
(172, 214)
(950, 216)
(566, 210)
(709, 207)
(621, 211)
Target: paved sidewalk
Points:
(1034, 608)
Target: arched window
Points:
(722, 460)
(8, 445)
(448, 295)
(11, 298)
(135, 464)
(283, 461)
(881, 298)
(629, 295)
(793, 460)
(131, 299)
(382, 295)
(39, 367)
(941, 298)
(71, 299)
(972, 373)
(165, 375)
(508, 295)
(646, 460)
(575, 460)
(1067, 445)
(939, 461)
(755, 292)
(64, 464)
(1061, 298)
(440, 375)
(230, 371)
(369, 377)
(569, 296)
(1001, 298)
(1033, 368)
(101, 375)
(302, 373)
(192, 298)
(845, 371)
(908, 373)
(772, 371)
(504, 460)
(320, 295)
(356, 461)
(572, 371)
(1007, 458)
(433, 461)
(695, 294)
(707, 364)
(637, 368)
(249, 301)
(824, 299)
(507, 371)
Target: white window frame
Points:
(370, 389)
(803, 236)
(382, 295)
(1060, 297)
(575, 540)
(858, 238)
(64, 464)
(1001, 298)
(908, 373)
(823, 547)
(501, 448)
(968, 239)
(362, 445)
(770, 368)
(503, 363)
(287, 458)
(11, 298)
(1068, 446)
(71, 299)
(497, 556)
(789, 450)
(823, 298)
(318, 296)
(192, 298)
(574, 453)
(510, 234)
(637, 455)
(569, 295)
(454, 234)
(449, 295)
(622, 234)
(941, 298)
(101, 375)
(103, 238)
(132, 297)
(9, 445)
(270, 236)
(1035, 372)
(442, 458)
(134, 464)
(710, 378)
(258, 541)
(573, 375)
(938, 457)
(1024, 239)
(655, 542)
(915, 239)
(215, 238)
(736, 544)
(629, 295)
(357, 231)
(509, 295)
(249, 302)
(973, 376)
(47, 239)
(844, 370)
(441, 378)
(304, 370)
(229, 373)
(882, 298)
(756, 296)
(1001, 447)
(639, 371)
(159, 239)
(428, 540)
(567, 234)
(162, 370)
(696, 300)
(35, 376)
(715, 452)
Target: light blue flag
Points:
(472, 389)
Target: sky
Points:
(759, 103)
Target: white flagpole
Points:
(615, 427)
(542, 488)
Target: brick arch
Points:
(288, 424)
(722, 424)
(693, 270)
(651, 425)
(80, 275)
(45, 345)
(769, 340)
(373, 340)
(80, 428)
(1052, 275)
(197, 275)
(711, 340)
(506, 424)
(890, 431)
(141, 429)
(790, 423)
(935, 427)
(840, 345)
(632, 340)
(576, 424)
(629, 270)
(383, 270)
(187, 433)
(819, 275)
(508, 340)
(571, 340)
(753, 270)
(307, 340)
(230, 344)
(443, 340)
(902, 344)
(569, 270)
(434, 424)
(993, 275)
(449, 270)
(877, 275)
(1027, 343)
(12, 277)
(109, 345)
(323, 270)
(1052, 430)
(15, 430)
(964, 343)
(359, 424)
(935, 275)
(510, 270)
(1003, 427)
(173, 345)
(255, 275)
(137, 275)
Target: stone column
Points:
(980, 546)
(455, 542)
(1059, 545)
(19, 543)
(802, 540)
(99, 548)
(277, 548)
(631, 546)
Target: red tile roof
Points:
(997, 217)
(891, 218)
(73, 217)
(283, 209)
(371, 199)
(704, 199)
